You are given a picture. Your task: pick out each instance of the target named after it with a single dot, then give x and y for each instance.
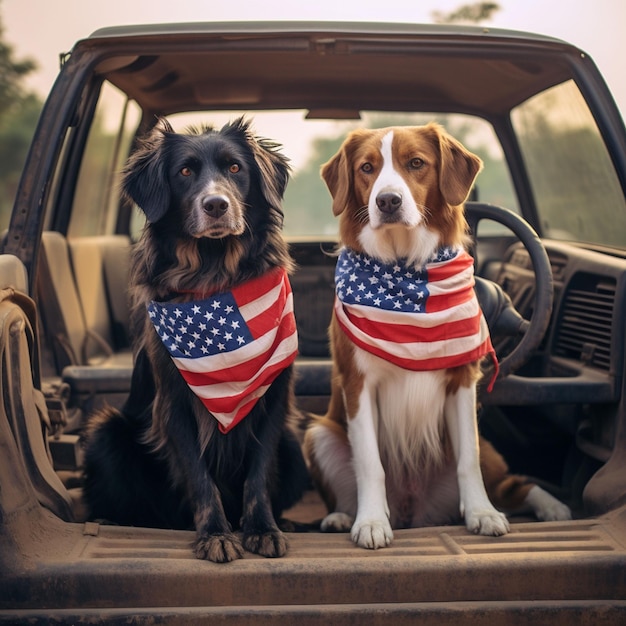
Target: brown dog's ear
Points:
(338, 176)
(458, 171)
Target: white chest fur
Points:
(409, 406)
(408, 417)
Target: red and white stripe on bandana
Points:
(231, 346)
(423, 318)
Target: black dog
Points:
(211, 251)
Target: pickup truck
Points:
(548, 219)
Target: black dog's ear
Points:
(145, 179)
(274, 169)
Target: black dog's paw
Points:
(271, 544)
(219, 548)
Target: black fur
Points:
(213, 203)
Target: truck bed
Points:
(439, 575)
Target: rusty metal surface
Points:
(562, 564)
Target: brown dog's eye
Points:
(416, 163)
(234, 168)
(185, 171)
(367, 167)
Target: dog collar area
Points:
(231, 346)
(399, 286)
(416, 318)
(204, 294)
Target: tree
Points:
(19, 112)
(474, 13)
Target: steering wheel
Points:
(495, 303)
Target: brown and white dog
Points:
(399, 446)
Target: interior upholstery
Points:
(81, 328)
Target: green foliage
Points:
(16, 131)
(307, 199)
(575, 185)
(19, 112)
(94, 185)
(474, 13)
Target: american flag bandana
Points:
(424, 318)
(230, 347)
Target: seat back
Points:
(60, 307)
(100, 266)
(24, 417)
(82, 288)
(13, 273)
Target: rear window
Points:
(311, 142)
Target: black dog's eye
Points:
(186, 171)
(233, 168)
(416, 163)
(367, 167)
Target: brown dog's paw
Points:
(221, 548)
(271, 544)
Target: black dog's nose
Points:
(388, 201)
(215, 206)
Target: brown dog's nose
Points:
(215, 206)
(388, 201)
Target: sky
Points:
(42, 29)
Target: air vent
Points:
(584, 328)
